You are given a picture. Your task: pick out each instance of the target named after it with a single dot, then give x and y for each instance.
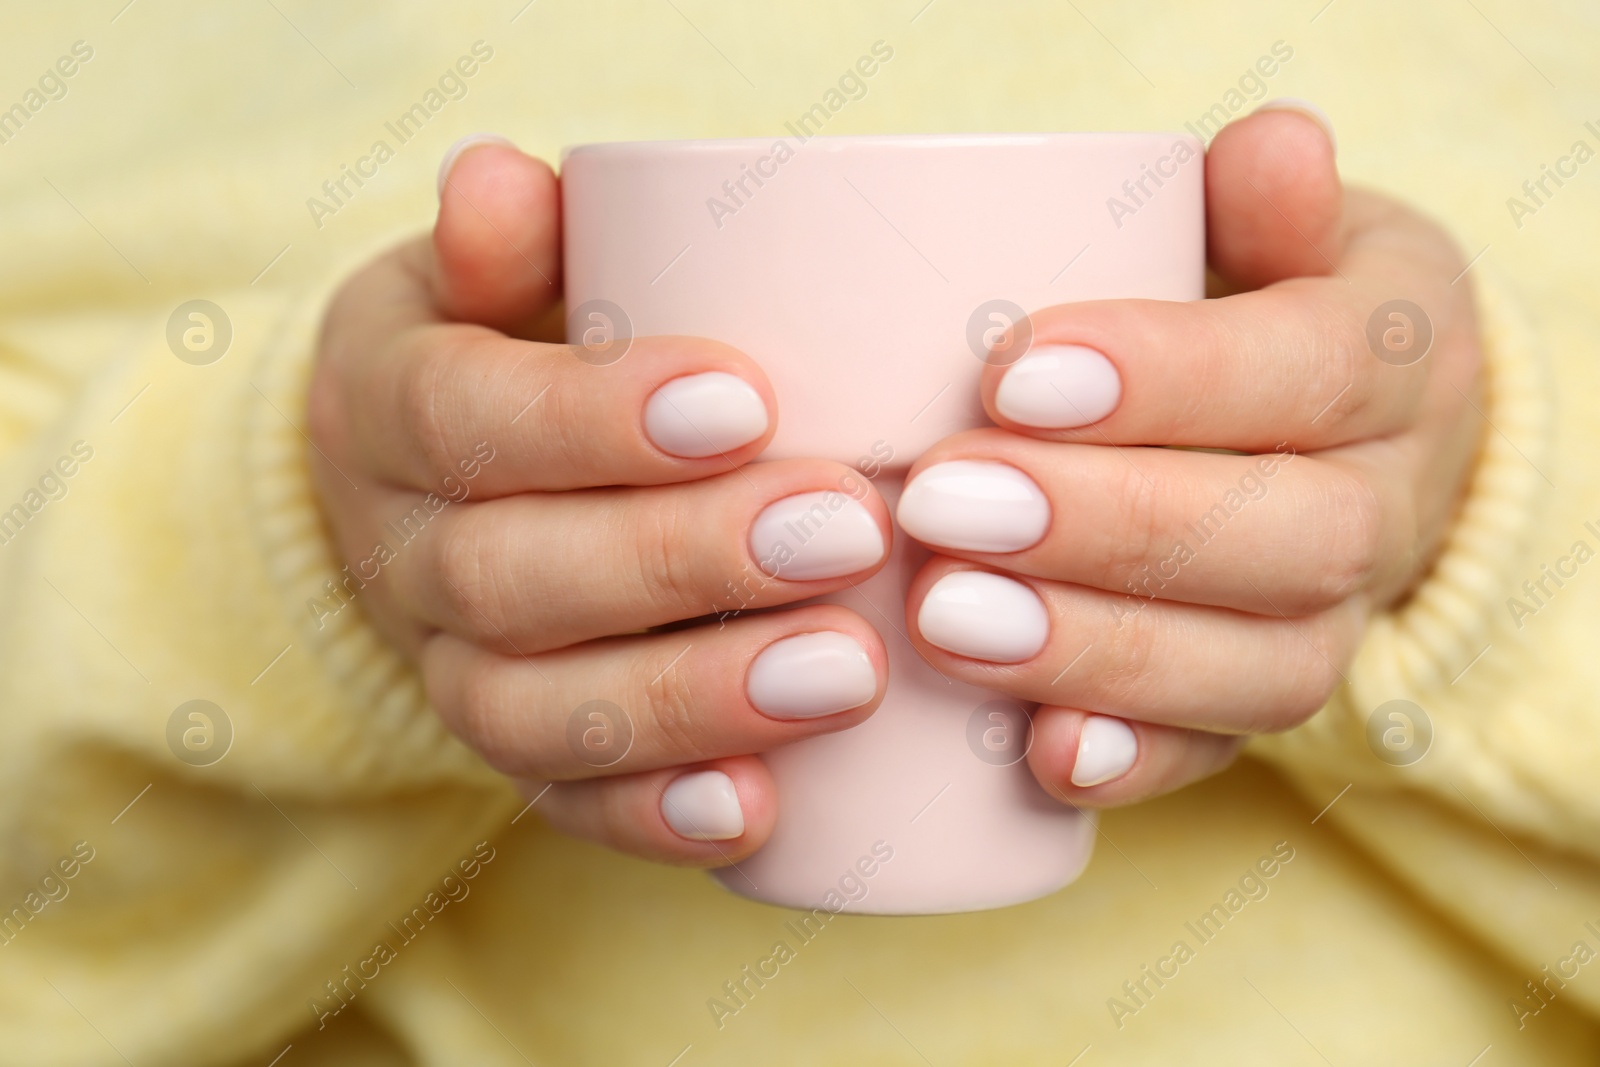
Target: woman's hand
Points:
(515, 512)
(1160, 604)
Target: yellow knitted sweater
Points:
(306, 865)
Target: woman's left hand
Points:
(1161, 604)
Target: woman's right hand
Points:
(516, 514)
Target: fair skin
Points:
(541, 590)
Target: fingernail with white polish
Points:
(1107, 747)
(1057, 387)
(703, 806)
(1309, 110)
(984, 616)
(810, 675)
(974, 504)
(815, 535)
(455, 151)
(702, 415)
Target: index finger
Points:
(1306, 362)
(677, 409)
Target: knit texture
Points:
(231, 910)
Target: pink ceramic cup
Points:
(869, 276)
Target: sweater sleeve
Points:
(1461, 752)
(211, 798)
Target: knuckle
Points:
(1313, 684)
(490, 713)
(1322, 680)
(476, 712)
(465, 555)
(1352, 550)
(1219, 341)
(564, 437)
(670, 700)
(419, 389)
(1344, 366)
(1124, 676)
(665, 563)
(1139, 527)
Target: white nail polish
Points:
(1107, 747)
(703, 806)
(984, 616)
(810, 675)
(974, 504)
(1057, 387)
(702, 415)
(1308, 109)
(454, 152)
(815, 535)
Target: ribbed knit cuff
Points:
(391, 735)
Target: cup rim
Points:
(836, 142)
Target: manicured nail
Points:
(703, 806)
(1309, 110)
(1057, 387)
(815, 535)
(984, 616)
(974, 504)
(1106, 749)
(810, 675)
(702, 415)
(455, 151)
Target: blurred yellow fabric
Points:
(156, 153)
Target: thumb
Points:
(497, 241)
(1273, 197)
